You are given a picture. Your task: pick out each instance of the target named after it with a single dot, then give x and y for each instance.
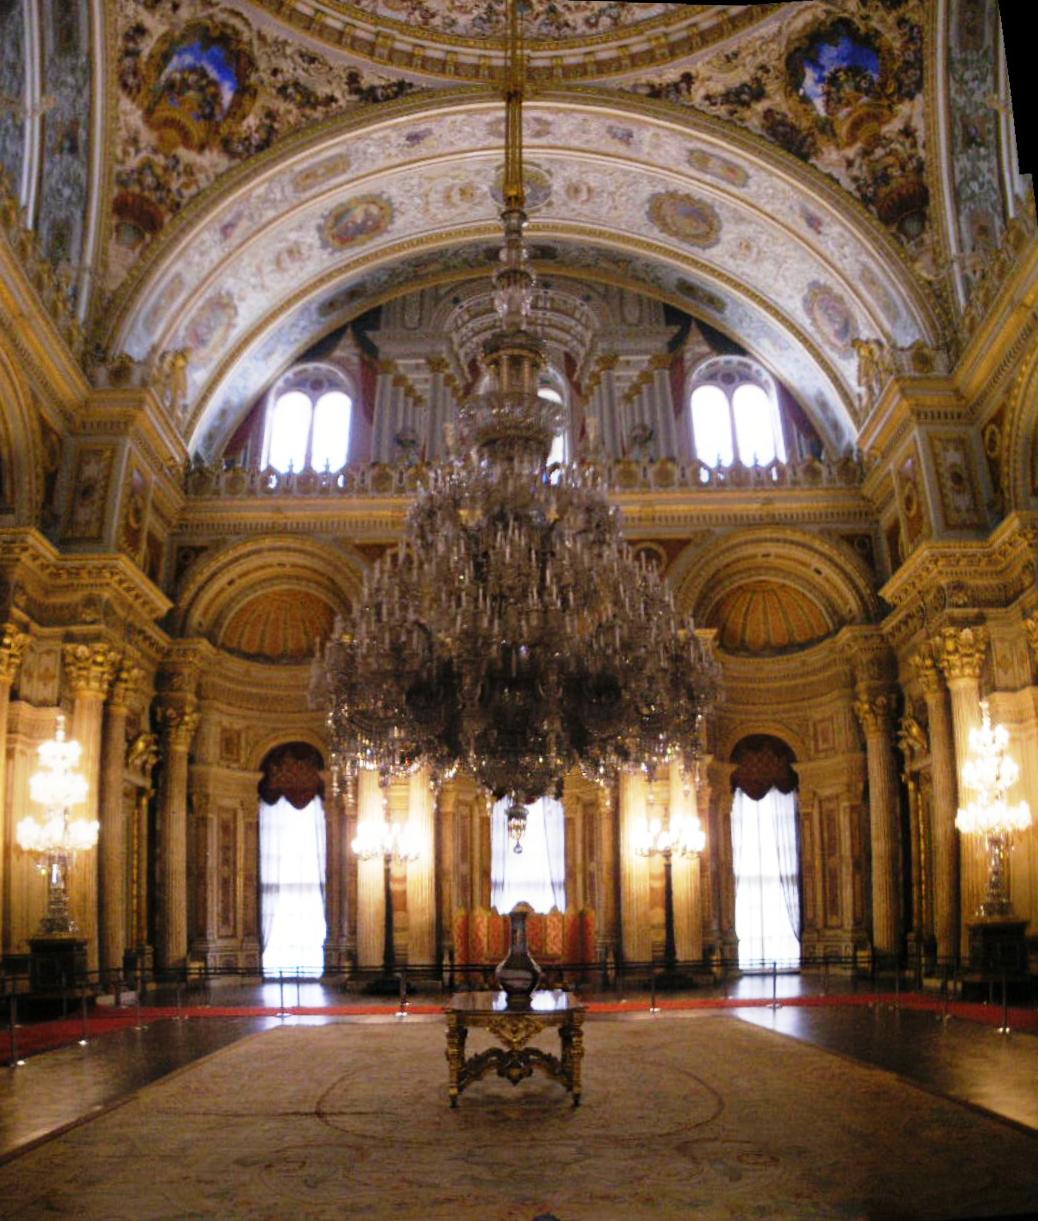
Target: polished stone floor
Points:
(963, 1060)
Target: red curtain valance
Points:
(292, 771)
(763, 763)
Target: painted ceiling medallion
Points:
(686, 217)
(357, 220)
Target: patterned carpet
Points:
(700, 1116)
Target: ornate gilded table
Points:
(514, 1027)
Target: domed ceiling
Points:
(765, 616)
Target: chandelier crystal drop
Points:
(511, 631)
(990, 771)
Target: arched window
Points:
(734, 414)
(765, 853)
(308, 421)
(537, 875)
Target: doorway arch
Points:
(766, 853)
(293, 921)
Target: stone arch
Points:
(224, 584)
(1016, 450)
(730, 734)
(831, 583)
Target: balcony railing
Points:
(622, 475)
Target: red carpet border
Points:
(45, 1036)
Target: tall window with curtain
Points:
(292, 862)
(765, 853)
(308, 421)
(537, 875)
(733, 409)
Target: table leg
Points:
(573, 1053)
(455, 1055)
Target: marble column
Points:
(634, 871)
(960, 653)
(371, 894)
(13, 644)
(335, 880)
(688, 915)
(112, 840)
(177, 721)
(945, 802)
(874, 710)
(421, 874)
(89, 669)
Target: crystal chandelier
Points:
(55, 841)
(990, 772)
(511, 632)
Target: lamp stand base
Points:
(56, 962)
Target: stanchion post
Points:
(1004, 1028)
(12, 1018)
(137, 999)
(774, 986)
(653, 1007)
(402, 1011)
(281, 986)
(897, 985)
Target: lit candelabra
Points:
(990, 772)
(55, 840)
(682, 834)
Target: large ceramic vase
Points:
(517, 975)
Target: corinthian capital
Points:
(90, 667)
(127, 681)
(928, 671)
(875, 710)
(13, 644)
(178, 722)
(960, 651)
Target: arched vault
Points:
(686, 207)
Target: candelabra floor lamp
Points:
(58, 954)
(997, 942)
(391, 841)
(683, 835)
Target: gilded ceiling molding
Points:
(393, 43)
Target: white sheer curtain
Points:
(767, 899)
(292, 863)
(537, 875)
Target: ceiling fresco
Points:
(201, 88)
(840, 88)
(737, 226)
(542, 19)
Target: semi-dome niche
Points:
(278, 625)
(767, 616)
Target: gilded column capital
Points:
(928, 671)
(875, 710)
(178, 723)
(960, 651)
(13, 644)
(90, 667)
(125, 685)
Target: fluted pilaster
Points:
(421, 874)
(371, 895)
(960, 653)
(945, 802)
(89, 670)
(634, 871)
(177, 721)
(875, 709)
(13, 645)
(112, 842)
